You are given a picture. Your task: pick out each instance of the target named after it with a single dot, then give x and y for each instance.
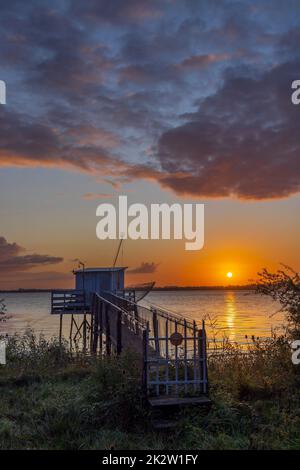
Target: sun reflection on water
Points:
(231, 312)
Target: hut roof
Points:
(105, 269)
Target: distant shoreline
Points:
(164, 288)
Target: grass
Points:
(51, 400)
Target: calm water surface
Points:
(233, 314)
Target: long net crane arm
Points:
(118, 251)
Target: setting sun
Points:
(229, 274)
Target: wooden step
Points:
(159, 402)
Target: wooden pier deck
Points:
(172, 350)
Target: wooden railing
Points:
(119, 326)
(175, 363)
(172, 350)
(68, 301)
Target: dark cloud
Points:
(243, 141)
(144, 268)
(202, 61)
(96, 86)
(118, 12)
(27, 142)
(8, 250)
(11, 260)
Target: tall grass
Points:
(52, 399)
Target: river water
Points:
(228, 313)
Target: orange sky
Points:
(168, 102)
(241, 237)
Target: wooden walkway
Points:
(173, 350)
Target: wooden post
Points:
(157, 351)
(77, 329)
(71, 334)
(60, 328)
(71, 327)
(84, 333)
(100, 312)
(167, 357)
(145, 362)
(107, 328)
(185, 357)
(176, 360)
(91, 329)
(200, 359)
(155, 331)
(119, 333)
(195, 354)
(95, 325)
(205, 374)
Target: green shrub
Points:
(50, 399)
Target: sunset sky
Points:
(162, 101)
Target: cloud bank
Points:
(193, 95)
(144, 268)
(11, 258)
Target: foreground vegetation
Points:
(50, 400)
